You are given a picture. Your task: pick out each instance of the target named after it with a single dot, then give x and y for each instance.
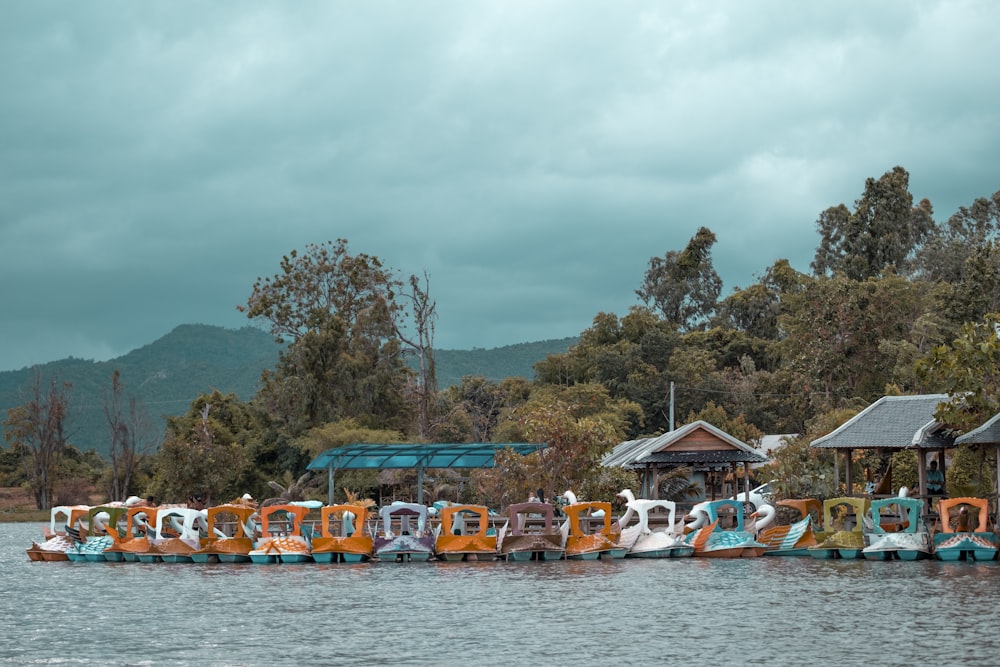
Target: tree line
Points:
(896, 302)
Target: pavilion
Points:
(891, 424)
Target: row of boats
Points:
(300, 532)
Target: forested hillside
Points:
(168, 374)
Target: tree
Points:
(944, 255)
(125, 432)
(421, 344)
(477, 405)
(684, 286)
(38, 429)
(579, 424)
(344, 359)
(968, 370)
(883, 232)
(206, 450)
(836, 330)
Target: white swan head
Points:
(762, 518)
(101, 520)
(904, 492)
(697, 517)
(570, 497)
(627, 495)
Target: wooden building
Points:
(697, 445)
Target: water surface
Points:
(765, 611)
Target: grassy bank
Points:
(17, 504)
(21, 516)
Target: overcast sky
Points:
(531, 157)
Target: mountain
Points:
(193, 359)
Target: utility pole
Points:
(671, 405)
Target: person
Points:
(935, 480)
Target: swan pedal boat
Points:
(466, 534)
(793, 539)
(907, 539)
(102, 536)
(641, 541)
(710, 540)
(232, 530)
(397, 541)
(530, 533)
(57, 538)
(284, 538)
(340, 541)
(176, 536)
(849, 543)
(960, 543)
(579, 539)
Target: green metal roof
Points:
(367, 456)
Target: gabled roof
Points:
(987, 434)
(658, 449)
(892, 422)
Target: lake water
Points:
(764, 611)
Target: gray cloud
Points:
(530, 156)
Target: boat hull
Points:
(542, 554)
(404, 548)
(966, 546)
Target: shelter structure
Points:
(698, 445)
(986, 436)
(371, 456)
(891, 424)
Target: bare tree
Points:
(38, 429)
(126, 431)
(424, 312)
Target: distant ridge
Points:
(193, 359)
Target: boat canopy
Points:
(382, 456)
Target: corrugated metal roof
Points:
(987, 434)
(626, 453)
(891, 422)
(374, 456)
(693, 458)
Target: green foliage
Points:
(968, 370)
(970, 473)
(800, 471)
(684, 286)
(606, 483)
(839, 333)
(579, 424)
(881, 234)
(735, 426)
(207, 450)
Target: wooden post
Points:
(922, 479)
(656, 482)
(849, 474)
(746, 479)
